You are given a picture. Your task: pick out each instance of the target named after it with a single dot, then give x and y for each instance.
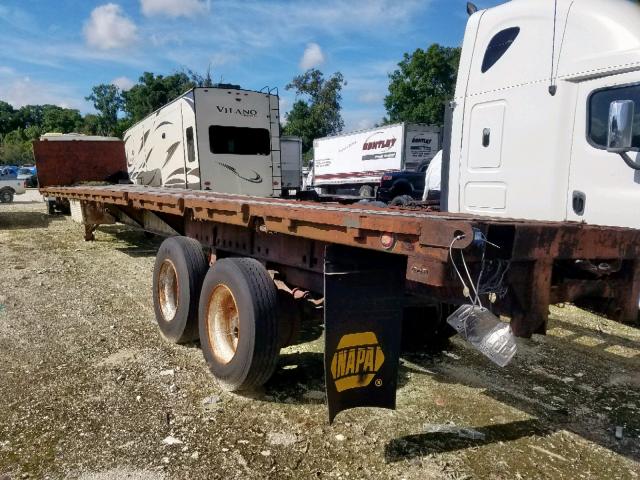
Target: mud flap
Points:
(364, 296)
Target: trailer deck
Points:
(538, 252)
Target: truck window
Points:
(239, 140)
(599, 113)
(498, 45)
(191, 151)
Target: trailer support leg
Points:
(628, 300)
(364, 294)
(533, 294)
(89, 230)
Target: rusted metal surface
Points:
(70, 162)
(292, 236)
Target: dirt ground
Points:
(89, 390)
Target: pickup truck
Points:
(10, 186)
(400, 187)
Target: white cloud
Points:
(364, 124)
(109, 28)
(312, 57)
(173, 8)
(123, 83)
(370, 97)
(4, 70)
(21, 91)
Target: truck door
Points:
(603, 190)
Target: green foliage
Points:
(317, 114)
(423, 83)
(16, 146)
(61, 120)
(107, 100)
(153, 92)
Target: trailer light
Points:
(386, 178)
(387, 240)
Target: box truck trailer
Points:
(221, 139)
(354, 162)
(291, 155)
(240, 271)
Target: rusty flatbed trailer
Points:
(370, 265)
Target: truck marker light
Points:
(387, 240)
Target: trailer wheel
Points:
(366, 191)
(239, 323)
(6, 196)
(401, 201)
(177, 277)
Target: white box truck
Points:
(221, 139)
(354, 162)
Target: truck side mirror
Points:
(620, 133)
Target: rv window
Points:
(191, 151)
(598, 121)
(498, 45)
(239, 140)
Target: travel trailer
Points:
(221, 139)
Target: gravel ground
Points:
(89, 390)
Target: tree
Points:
(16, 146)
(107, 100)
(8, 120)
(318, 113)
(423, 83)
(153, 92)
(61, 120)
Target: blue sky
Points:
(55, 51)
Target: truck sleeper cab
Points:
(528, 145)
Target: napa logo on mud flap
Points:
(356, 361)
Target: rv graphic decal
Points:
(179, 171)
(255, 179)
(237, 111)
(170, 151)
(161, 124)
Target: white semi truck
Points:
(355, 161)
(539, 90)
(221, 139)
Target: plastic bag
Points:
(485, 332)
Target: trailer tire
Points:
(6, 195)
(180, 268)
(366, 191)
(239, 323)
(401, 201)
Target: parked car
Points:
(8, 171)
(29, 175)
(9, 187)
